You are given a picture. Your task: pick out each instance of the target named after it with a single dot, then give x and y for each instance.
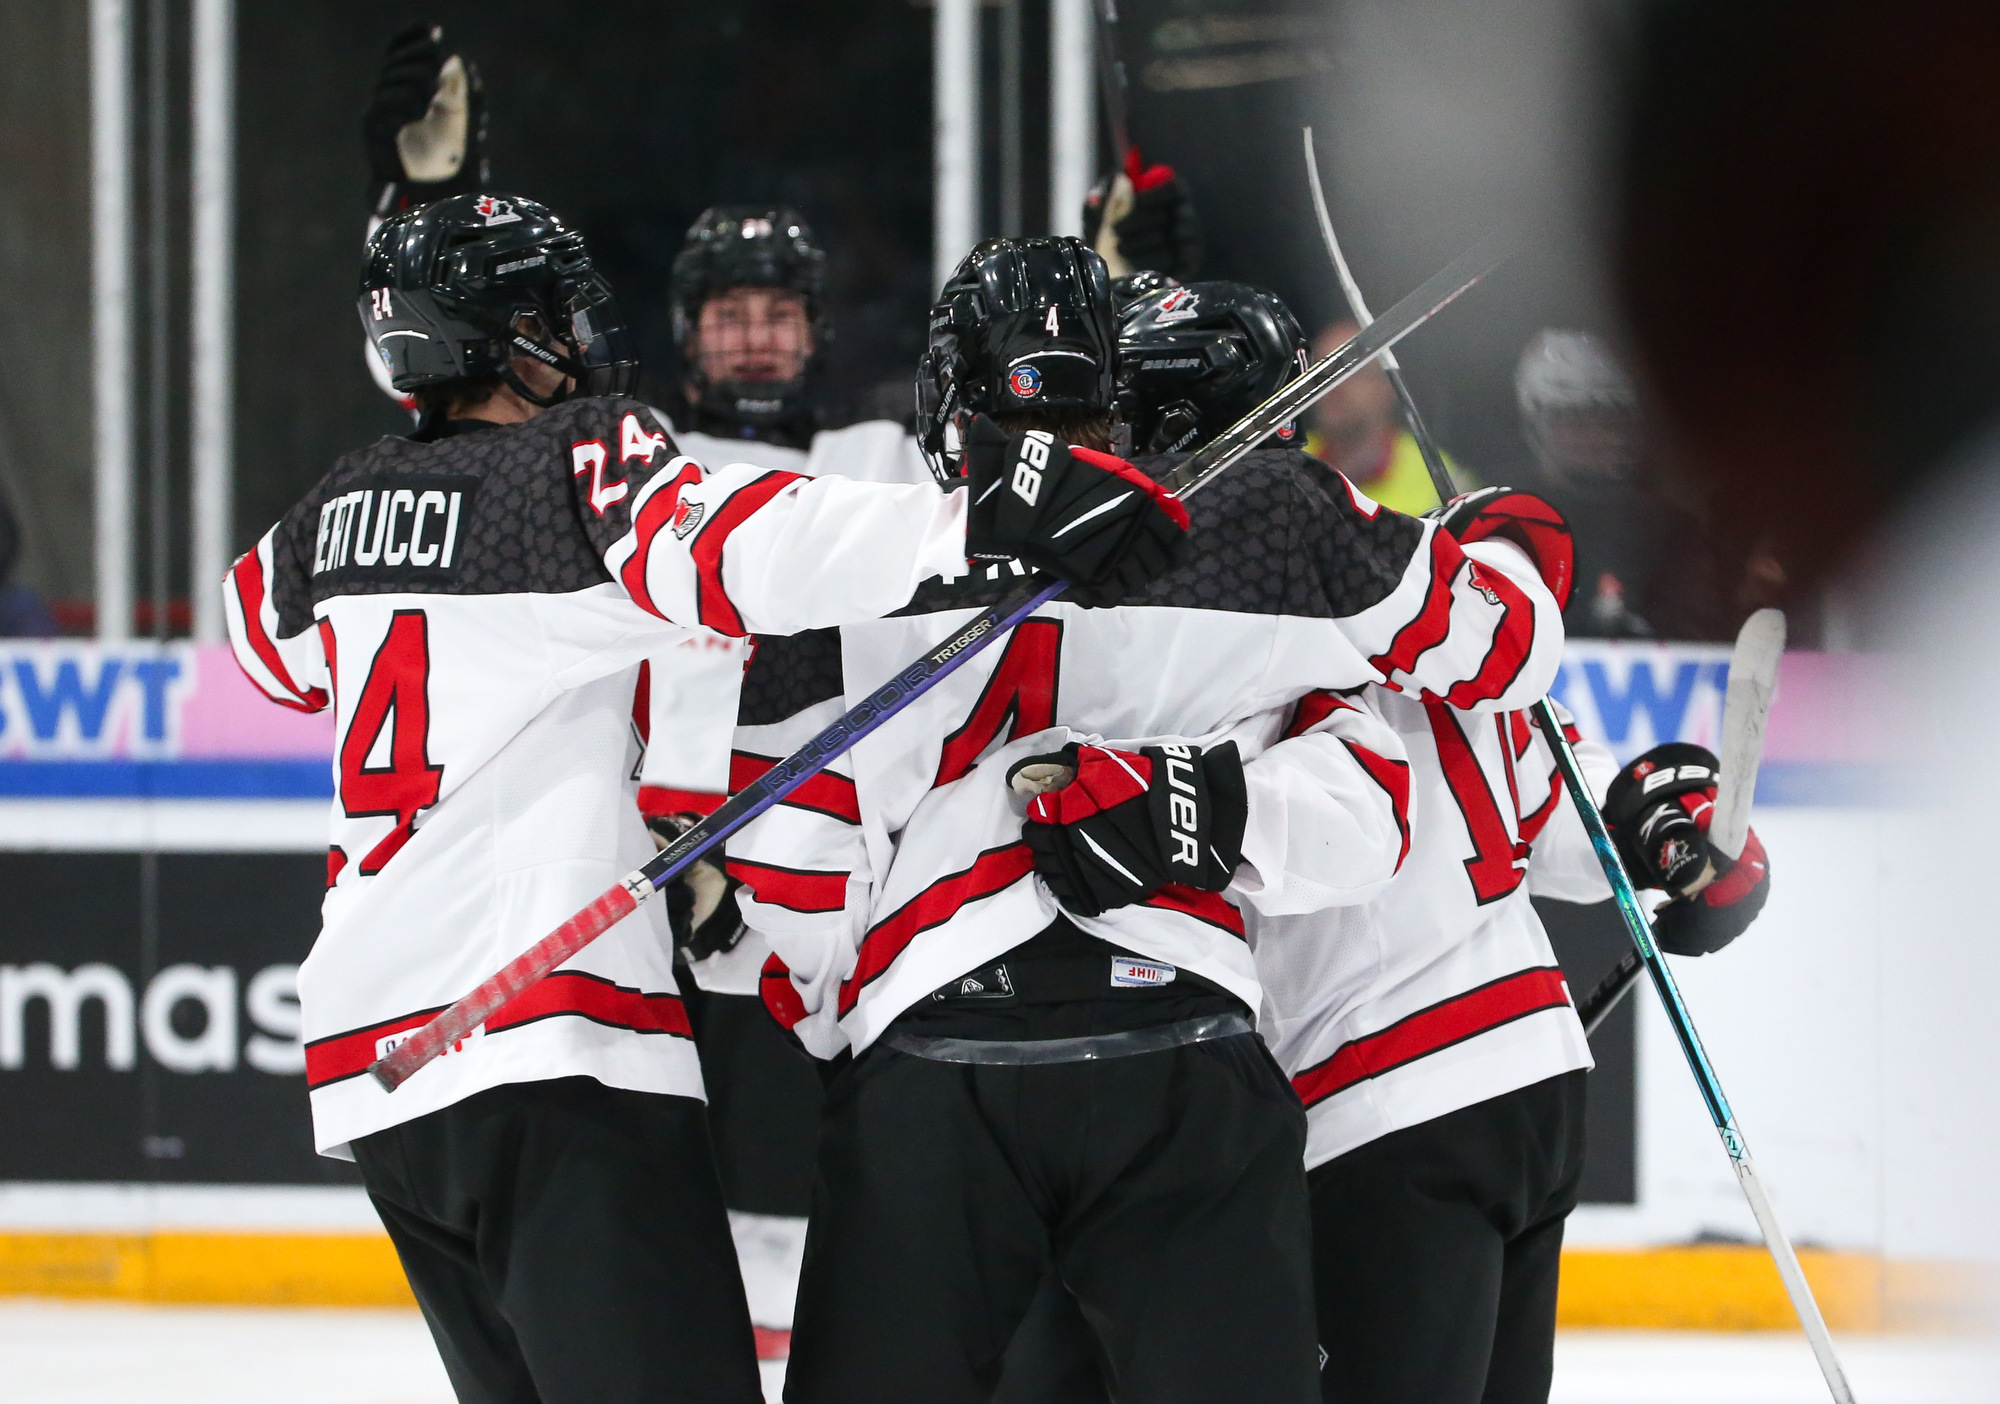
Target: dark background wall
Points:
(1437, 120)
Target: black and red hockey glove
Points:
(1089, 517)
(1130, 823)
(1161, 231)
(1658, 809)
(1522, 518)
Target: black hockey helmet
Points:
(1128, 288)
(1022, 326)
(443, 286)
(1193, 360)
(750, 246)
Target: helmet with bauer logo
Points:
(458, 288)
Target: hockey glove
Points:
(1089, 517)
(1130, 823)
(1161, 232)
(1522, 518)
(1658, 809)
(701, 902)
(426, 123)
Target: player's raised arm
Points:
(741, 549)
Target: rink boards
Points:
(161, 834)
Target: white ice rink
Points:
(55, 1353)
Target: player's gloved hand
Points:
(701, 902)
(1522, 518)
(425, 124)
(1658, 809)
(1089, 517)
(1130, 823)
(1161, 230)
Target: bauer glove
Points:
(1160, 231)
(1658, 809)
(1129, 823)
(1089, 517)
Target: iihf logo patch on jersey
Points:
(1140, 974)
(494, 210)
(1025, 382)
(1288, 432)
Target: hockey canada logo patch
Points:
(687, 516)
(494, 210)
(1025, 382)
(1180, 305)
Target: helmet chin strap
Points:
(534, 350)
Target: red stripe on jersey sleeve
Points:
(1433, 620)
(658, 511)
(1314, 708)
(824, 793)
(247, 580)
(1428, 1030)
(992, 871)
(1512, 639)
(591, 997)
(1394, 778)
(794, 889)
(711, 597)
(655, 800)
(1210, 907)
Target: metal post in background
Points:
(954, 134)
(1010, 119)
(111, 311)
(212, 291)
(159, 318)
(1072, 113)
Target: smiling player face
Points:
(753, 334)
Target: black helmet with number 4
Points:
(1023, 327)
(458, 288)
(1193, 360)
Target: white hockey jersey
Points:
(1443, 991)
(476, 610)
(692, 693)
(903, 866)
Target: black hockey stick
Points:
(1111, 78)
(1627, 897)
(406, 1056)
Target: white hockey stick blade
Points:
(1746, 707)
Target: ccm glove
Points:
(1130, 823)
(1089, 517)
(1161, 232)
(1659, 809)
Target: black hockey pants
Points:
(1436, 1251)
(1164, 1189)
(567, 1243)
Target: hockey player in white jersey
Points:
(1430, 1032)
(474, 602)
(1048, 1004)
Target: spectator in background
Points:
(1651, 560)
(23, 615)
(1357, 428)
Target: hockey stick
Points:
(398, 1062)
(1746, 707)
(1636, 923)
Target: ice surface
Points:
(90, 1353)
